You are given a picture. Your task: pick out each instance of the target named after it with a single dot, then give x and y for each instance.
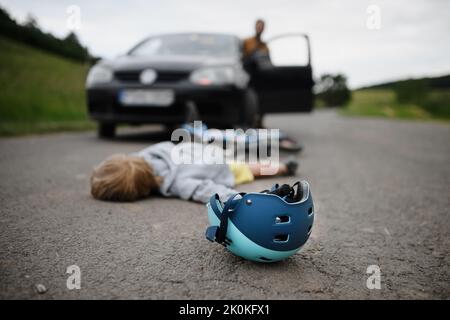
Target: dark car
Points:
(165, 77)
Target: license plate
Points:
(142, 97)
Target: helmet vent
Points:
(281, 238)
(264, 259)
(310, 211)
(282, 219)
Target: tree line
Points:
(30, 34)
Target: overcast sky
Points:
(412, 41)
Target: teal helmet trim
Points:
(265, 227)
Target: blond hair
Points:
(123, 178)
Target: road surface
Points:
(381, 191)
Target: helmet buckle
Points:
(211, 232)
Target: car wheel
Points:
(106, 130)
(250, 110)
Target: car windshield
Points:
(188, 44)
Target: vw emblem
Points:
(148, 76)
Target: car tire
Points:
(106, 130)
(250, 110)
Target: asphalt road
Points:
(382, 197)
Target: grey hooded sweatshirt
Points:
(197, 181)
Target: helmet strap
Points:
(218, 233)
(285, 190)
(299, 194)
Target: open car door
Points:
(286, 84)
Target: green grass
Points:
(383, 103)
(40, 92)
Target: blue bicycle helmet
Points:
(267, 226)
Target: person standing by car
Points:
(255, 43)
(255, 50)
(256, 56)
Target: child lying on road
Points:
(152, 170)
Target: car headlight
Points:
(219, 76)
(99, 74)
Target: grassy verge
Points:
(37, 127)
(383, 103)
(40, 92)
